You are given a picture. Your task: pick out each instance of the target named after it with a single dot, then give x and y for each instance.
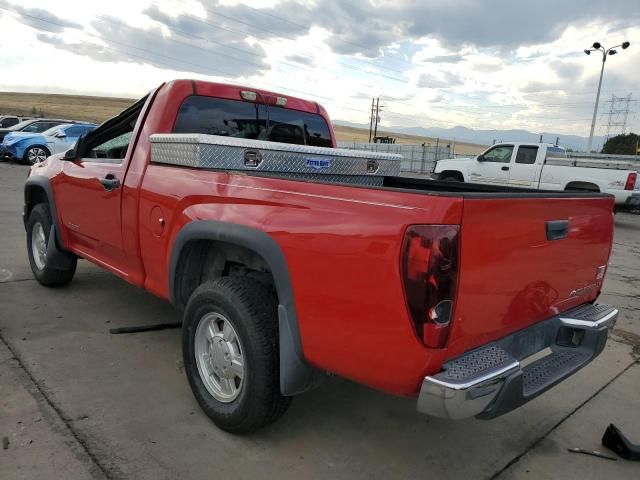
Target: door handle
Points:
(557, 229)
(110, 182)
(505, 169)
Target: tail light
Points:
(430, 276)
(631, 181)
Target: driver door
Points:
(90, 199)
(494, 167)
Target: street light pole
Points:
(595, 108)
(605, 53)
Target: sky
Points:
(434, 63)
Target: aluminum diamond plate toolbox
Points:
(273, 158)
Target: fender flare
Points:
(296, 375)
(44, 183)
(57, 257)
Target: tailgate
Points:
(512, 275)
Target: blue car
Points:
(32, 148)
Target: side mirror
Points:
(70, 154)
(60, 135)
(75, 151)
(480, 158)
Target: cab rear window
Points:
(234, 118)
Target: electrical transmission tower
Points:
(619, 110)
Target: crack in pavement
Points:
(540, 439)
(102, 471)
(87, 274)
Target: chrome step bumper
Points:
(490, 381)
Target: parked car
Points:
(543, 166)
(7, 121)
(36, 147)
(292, 258)
(34, 125)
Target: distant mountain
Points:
(487, 137)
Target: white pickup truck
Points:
(545, 166)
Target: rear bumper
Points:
(492, 380)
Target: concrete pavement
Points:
(119, 407)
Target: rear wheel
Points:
(231, 354)
(38, 231)
(35, 154)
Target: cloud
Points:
(452, 58)
(537, 86)
(567, 70)
(300, 59)
(37, 17)
(190, 46)
(446, 80)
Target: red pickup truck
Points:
(474, 299)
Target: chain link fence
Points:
(417, 158)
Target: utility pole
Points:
(375, 129)
(371, 119)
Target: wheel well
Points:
(204, 260)
(33, 195)
(582, 186)
(451, 173)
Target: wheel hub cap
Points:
(39, 246)
(219, 357)
(36, 155)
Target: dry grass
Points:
(99, 109)
(73, 107)
(361, 135)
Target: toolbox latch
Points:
(252, 158)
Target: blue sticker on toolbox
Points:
(317, 163)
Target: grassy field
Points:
(98, 109)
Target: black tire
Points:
(32, 150)
(449, 177)
(44, 274)
(252, 310)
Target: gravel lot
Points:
(77, 402)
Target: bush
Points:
(622, 144)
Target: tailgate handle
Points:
(557, 229)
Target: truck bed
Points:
(478, 190)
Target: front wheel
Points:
(38, 231)
(231, 355)
(35, 154)
(450, 177)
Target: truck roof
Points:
(234, 92)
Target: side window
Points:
(501, 154)
(8, 122)
(35, 127)
(113, 150)
(74, 132)
(527, 155)
(39, 127)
